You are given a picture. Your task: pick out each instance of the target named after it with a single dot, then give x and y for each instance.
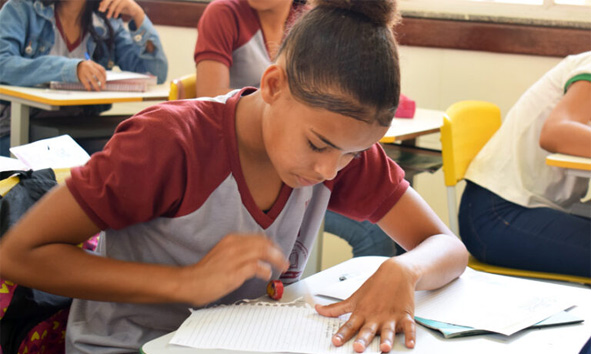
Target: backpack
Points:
(31, 321)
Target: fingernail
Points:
(338, 338)
(359, 345)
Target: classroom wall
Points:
(435, 78)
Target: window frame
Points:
(548, 14)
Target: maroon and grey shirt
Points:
(168, 187)
(229, 32)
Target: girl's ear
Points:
(273, 83)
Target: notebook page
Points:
(263, 327)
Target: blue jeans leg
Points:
(365, 238)
(502, 233)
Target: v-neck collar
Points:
(70, 46)
(263, 219)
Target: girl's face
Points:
(308, 145)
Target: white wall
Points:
(434, 78)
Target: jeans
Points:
(365, 238)
(502, 233)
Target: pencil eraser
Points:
(275, 289)
(406, 107)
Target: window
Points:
(563, 13)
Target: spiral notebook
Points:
(116, 81)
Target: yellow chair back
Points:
(467, 126)
(183, 87)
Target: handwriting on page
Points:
(263, 328)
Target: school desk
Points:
(425, 121)
(23, 98)
(566, 339)
(576, 166)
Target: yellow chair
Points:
(467, 126)
(183, 87)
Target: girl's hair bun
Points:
(381, 12)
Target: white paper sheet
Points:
(263, 328)
(10, 164)
(481, 300)
(58, 152)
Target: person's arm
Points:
(567, 129)
(138, 49)
(213, 79)
(385, 303)
(114, 8)
(41, 252)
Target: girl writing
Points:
(201, 202)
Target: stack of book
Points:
(116, 81)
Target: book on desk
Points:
(116, 81)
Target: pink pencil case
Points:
(406, 108)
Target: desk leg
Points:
(19, 124)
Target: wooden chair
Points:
(467, 126)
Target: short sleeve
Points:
(134, 179)
(368, 187)
(217, 33)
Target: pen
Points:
(86, 56)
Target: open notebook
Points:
(116, 81)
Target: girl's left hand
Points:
(383, 305)
(114, 8)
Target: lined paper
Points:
(263, 327)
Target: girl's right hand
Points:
(92, 75)
(234, 260)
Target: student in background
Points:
(237, 40)
(73, 41)
(201, 202)
(514, 210)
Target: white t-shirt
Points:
(513, 165)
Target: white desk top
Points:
(560, 339)
(30, 95)
(425, 121)
(569, 161)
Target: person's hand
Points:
(92, 75)
(383, 305)
(234, 260)
(115, 8)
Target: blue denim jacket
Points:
(27, 34)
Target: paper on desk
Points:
(263, 328)
(58, 152)
(480, 300)
(492, 302)
(10, 164)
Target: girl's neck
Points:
(249, 129)
(275, 17)
(273, 25)
(70, 11)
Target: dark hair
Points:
(90, 7)
(342, 56)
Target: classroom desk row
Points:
(426, 121)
